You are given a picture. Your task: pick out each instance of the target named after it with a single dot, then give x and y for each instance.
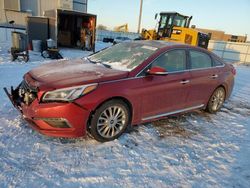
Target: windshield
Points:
(180, 21)
(163, 22)
(172, 20)
(124, 56)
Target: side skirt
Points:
(174, 112)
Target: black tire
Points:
(216, 100)
(104, 126)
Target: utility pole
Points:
(140, 14)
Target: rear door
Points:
(166, 93)
(204, 77)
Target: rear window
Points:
(200, 60)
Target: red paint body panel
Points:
(202, 86)
(164, 93)
(148, 95)
(75, 115)
(67, 73)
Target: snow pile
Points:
(192, 150)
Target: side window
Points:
(172, 61)
(200, 60)
(217, 63)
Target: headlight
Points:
(68, 94)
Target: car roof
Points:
(176, 13)
(158, 43)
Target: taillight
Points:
(233, 70)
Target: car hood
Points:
(67, 73)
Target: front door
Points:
(166, 93)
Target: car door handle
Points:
(184, 81)
(214, 76)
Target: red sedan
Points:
(127, 84)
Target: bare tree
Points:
(101, 27)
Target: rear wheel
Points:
(216, 100)
(110, 120)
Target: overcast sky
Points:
(230, 16)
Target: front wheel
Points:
(216, 100)
(110, 120)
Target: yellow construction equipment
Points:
(174, 27)
(121, 28)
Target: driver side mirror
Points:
(157, 71)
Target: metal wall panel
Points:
(30, 5)
(47, 5)
(80, 5)
(2, 17)
(101, 34)
(233, 47)
(38, 29)
(231, 51)
(65, 4)
(12, 4)
(18, 17)
(53, 29)
(248, 59)
(6, 34)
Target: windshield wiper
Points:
(104, 64)
(91, 60)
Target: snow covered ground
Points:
(192, 150)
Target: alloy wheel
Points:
(218, 99)
(111, 121)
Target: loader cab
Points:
(168, 20)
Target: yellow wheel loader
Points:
(174, 27)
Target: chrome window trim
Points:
(174, 72)
(188, 70)
(173, 112)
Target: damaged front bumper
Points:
(52, 119)
(23, 94)
(10, 96)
